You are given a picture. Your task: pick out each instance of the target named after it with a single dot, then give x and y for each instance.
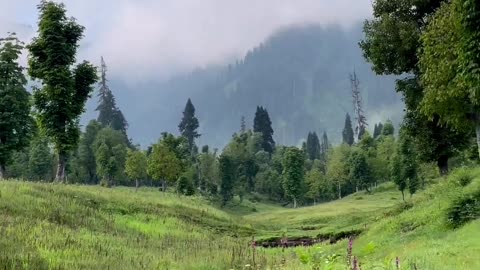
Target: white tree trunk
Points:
(62, 162)
(477, 131)
(2, 172)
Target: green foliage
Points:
(347, 133)
(463, 176)
(110, 153)
(60, 99)
(464, 208)
(293, 174)
(189, 124)
(404, 166)
(387, 129)
(338, 169)
(392, 44)
(208, 171)
(313, 146)
(227, 177)
(450, 66)
(16, 123)
(179, 146)
(163, 164)
(136, 165)
(40, 160)
(359, 171)
(86, 154)
(109, 115)
(262, 124)
(185, 186)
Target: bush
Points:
(185, 186)
(463, 177)
(464, 209)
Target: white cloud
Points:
(148, 38)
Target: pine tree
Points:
(243, 126)
(189, 124)
(324, 148)
(376, 131)
(227, 176)
(15, 121)
(263, 125)
(61, 98)
(347, 134)
(109, 115)
(313, 146)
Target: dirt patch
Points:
(285, 242)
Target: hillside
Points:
(46, 226)
(300, 74)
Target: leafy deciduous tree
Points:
(15, 121)
(61, 98)
(136, 165)
(293, 174)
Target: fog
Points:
(148, 39)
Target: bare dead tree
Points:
(360, 118)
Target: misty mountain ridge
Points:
(300, 74)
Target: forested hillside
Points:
(300, 74)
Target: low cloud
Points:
(148, 39)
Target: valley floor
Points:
(47, 226)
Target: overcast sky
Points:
(156, 38)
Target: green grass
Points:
(47, 226)
(354, 212)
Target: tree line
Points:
(40, 136)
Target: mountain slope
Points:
(300, 74)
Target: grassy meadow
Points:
(47, 226)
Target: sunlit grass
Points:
(47, 226)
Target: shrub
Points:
(463, 177)
(185, 186)
(464, 209)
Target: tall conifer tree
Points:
(189, 124)
(347, 134)
(263, 125)
(109, 115)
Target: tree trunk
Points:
(136, 185)
(477, 131)
(62, 162)
(2, 172)
(164, 186)
(294, 202)
(339, 191)
(442, 163)
(403, 196)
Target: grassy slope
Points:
(420, 236)
(45, 226)
(350, 213)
